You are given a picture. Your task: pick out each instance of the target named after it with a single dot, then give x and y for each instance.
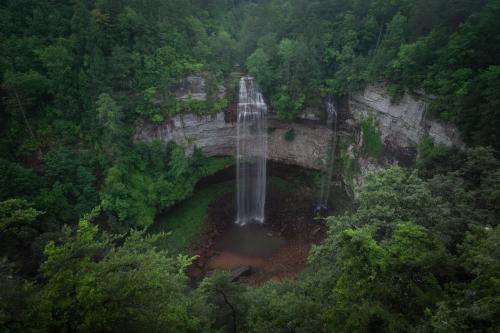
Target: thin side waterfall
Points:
(251, 154)
(324, 193)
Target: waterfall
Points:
(251, 154)
(324, 193)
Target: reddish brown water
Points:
(252, 240)
(275, 250)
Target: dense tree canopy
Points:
(417, 253)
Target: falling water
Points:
(324, 194)
(251, 154)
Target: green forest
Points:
(416, 250)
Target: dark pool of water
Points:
(250, 240)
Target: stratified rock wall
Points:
(402, 124)
(215, 137)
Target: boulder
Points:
(241, 271)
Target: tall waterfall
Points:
(251, 154)
(324, 193)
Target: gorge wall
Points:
(217, 137)
(401, 126)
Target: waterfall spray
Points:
(251, 154)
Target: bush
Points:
(372, 143)
(290, 135)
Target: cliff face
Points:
(402, 124)
(211, 134)
(216, 137)
(401, 127)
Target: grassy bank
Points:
(186, 221)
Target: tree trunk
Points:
(30, 130)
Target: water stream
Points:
(251, 154)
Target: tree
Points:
(286, 306)
(152, 178)
(18, 219)
(109, 117)
(286, 105)
(16, 181)
(386, 285)
(259, 66)
(16, 297)
(94, 285)
(473, 306)
(221, 302)
(19, 226)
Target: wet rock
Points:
(241, 271)
(315, 231)
(283, 229)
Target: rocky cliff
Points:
(217, 137)
(400, 126)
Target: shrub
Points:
(372, 143)
(290, 135)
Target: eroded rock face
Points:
(216, 137)
(402, 124)
(308, 148)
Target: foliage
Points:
(475, 311)
(19, 227)
(418, 252)
(109, 117)
(139, 287)
(151, 179)
(286, 105)
(258, 65)
(385, 285)
(221, 301)
(435, 158)
(290, 135)
(75, 78)
(285, 306)
(372, 143)
(185, 222)
(345, 163)
(17, 218)
(415, 255)
(15, 180)
(16, 295)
